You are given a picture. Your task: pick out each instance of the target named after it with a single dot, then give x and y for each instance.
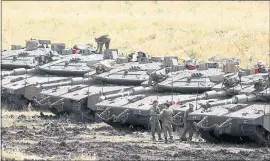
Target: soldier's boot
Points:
(153, 137)
(166, 140)
(171, 139)
(183, 138)
(189, 139)
(159, 137)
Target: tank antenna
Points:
(197, 96)
(25, 80)
(264, 113)
(49, 74)
(172, 85)
(88, 85)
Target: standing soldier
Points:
(104, 39)
(166, 118)
(188, 126)
(154, 120)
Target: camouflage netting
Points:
(31, 45)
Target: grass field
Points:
(194, 29)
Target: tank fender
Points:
(266, 122)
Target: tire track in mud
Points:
(61, 139)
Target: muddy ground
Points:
(26, 135)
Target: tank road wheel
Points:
(208, 135)
(54, 111)
(206, 132)
(262, 135)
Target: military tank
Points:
(75, 97)
(19, 83)
(16, 90)
(232, 84)
(242, 118)
(63, 97)
(132, 107)
(28, 85)
(136, 71)
(34, 54)
(79, 64)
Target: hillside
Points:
(199, 29)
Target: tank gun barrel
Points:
(19, 71)
(241, 99)
(205, 96)
(72, 81)
(134, 91)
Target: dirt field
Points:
(28, 136)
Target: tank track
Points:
(257, 133)
(14, 102)
(208, 133)
(219, 133)
(205, 131)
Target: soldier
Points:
(188, 126)
(154, 120)
(166, 117)
(104, 39)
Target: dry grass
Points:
(239, 29)
(10, 117)
(17, 155)
(85, 157)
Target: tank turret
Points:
(75, 98)
(242, 118)
(232, 85)
(34, 54)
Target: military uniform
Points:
(154, 121)
(166, 117)
(188, 126)
(104, 39)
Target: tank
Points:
(132, 107)
(75, 98)
(16, 90)
(136, 71)
(34, 54)
(75, 65)
(232, 85)
(242, 118)
(28, 85)
(191, 81)
(80, 65)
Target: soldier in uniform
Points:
(166, 117)
(188, 126)
(154, 120)
(104, 39)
